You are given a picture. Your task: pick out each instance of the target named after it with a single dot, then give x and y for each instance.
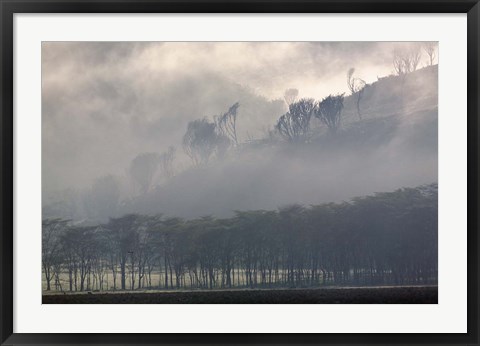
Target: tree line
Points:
(386, 238)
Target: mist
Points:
(104, 104)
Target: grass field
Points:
(351, 295)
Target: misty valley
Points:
(229, 196)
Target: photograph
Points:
(242, 172)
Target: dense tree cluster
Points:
(294, 126)
(387, 238)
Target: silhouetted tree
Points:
(83, 241)
(201, 141)
(227, 123)
(294, 126)
(356, 87)
(429, 48)
(329, 111)
(125, 235)
(406, 60)
(51, 247)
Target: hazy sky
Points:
(103, 103)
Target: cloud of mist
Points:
(104, 103)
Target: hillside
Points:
(394, 145)
(395, 95)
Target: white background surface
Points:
(449, 316)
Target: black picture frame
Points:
(10, 7)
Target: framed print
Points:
(239, 173)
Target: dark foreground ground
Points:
(364, 295)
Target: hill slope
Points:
(394, 145)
